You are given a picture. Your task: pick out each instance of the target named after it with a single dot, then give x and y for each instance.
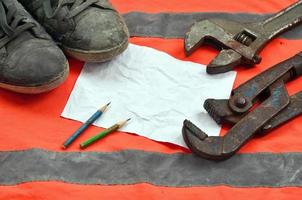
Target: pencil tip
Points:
(105, 107)
(123, 123)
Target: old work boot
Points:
(89, 30)
(30, 62)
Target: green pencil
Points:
(103, 134)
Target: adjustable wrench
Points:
(240, 42)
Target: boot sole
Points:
(95, 56)
(40, 88)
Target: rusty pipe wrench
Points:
(240, 42)
(276, 108)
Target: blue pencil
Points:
(78, 132)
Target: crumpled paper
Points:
(152, 88)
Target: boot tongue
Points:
(54, 3)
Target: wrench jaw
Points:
(202, 145)
(198, 33)
(221, 112)
(208, 31)
(214, 32)
(225, 61)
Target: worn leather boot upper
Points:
(30, 62)
(89, 30)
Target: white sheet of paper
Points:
(154, 89)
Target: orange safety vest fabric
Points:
(33, 121)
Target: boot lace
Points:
(11, 24)
(75, 7)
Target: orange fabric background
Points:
(35, 122)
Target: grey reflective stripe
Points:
(175, 25)
(131, 167)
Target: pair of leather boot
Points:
(31, 61)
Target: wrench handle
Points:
(284, 20)
(250, 90)
(293, 110)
